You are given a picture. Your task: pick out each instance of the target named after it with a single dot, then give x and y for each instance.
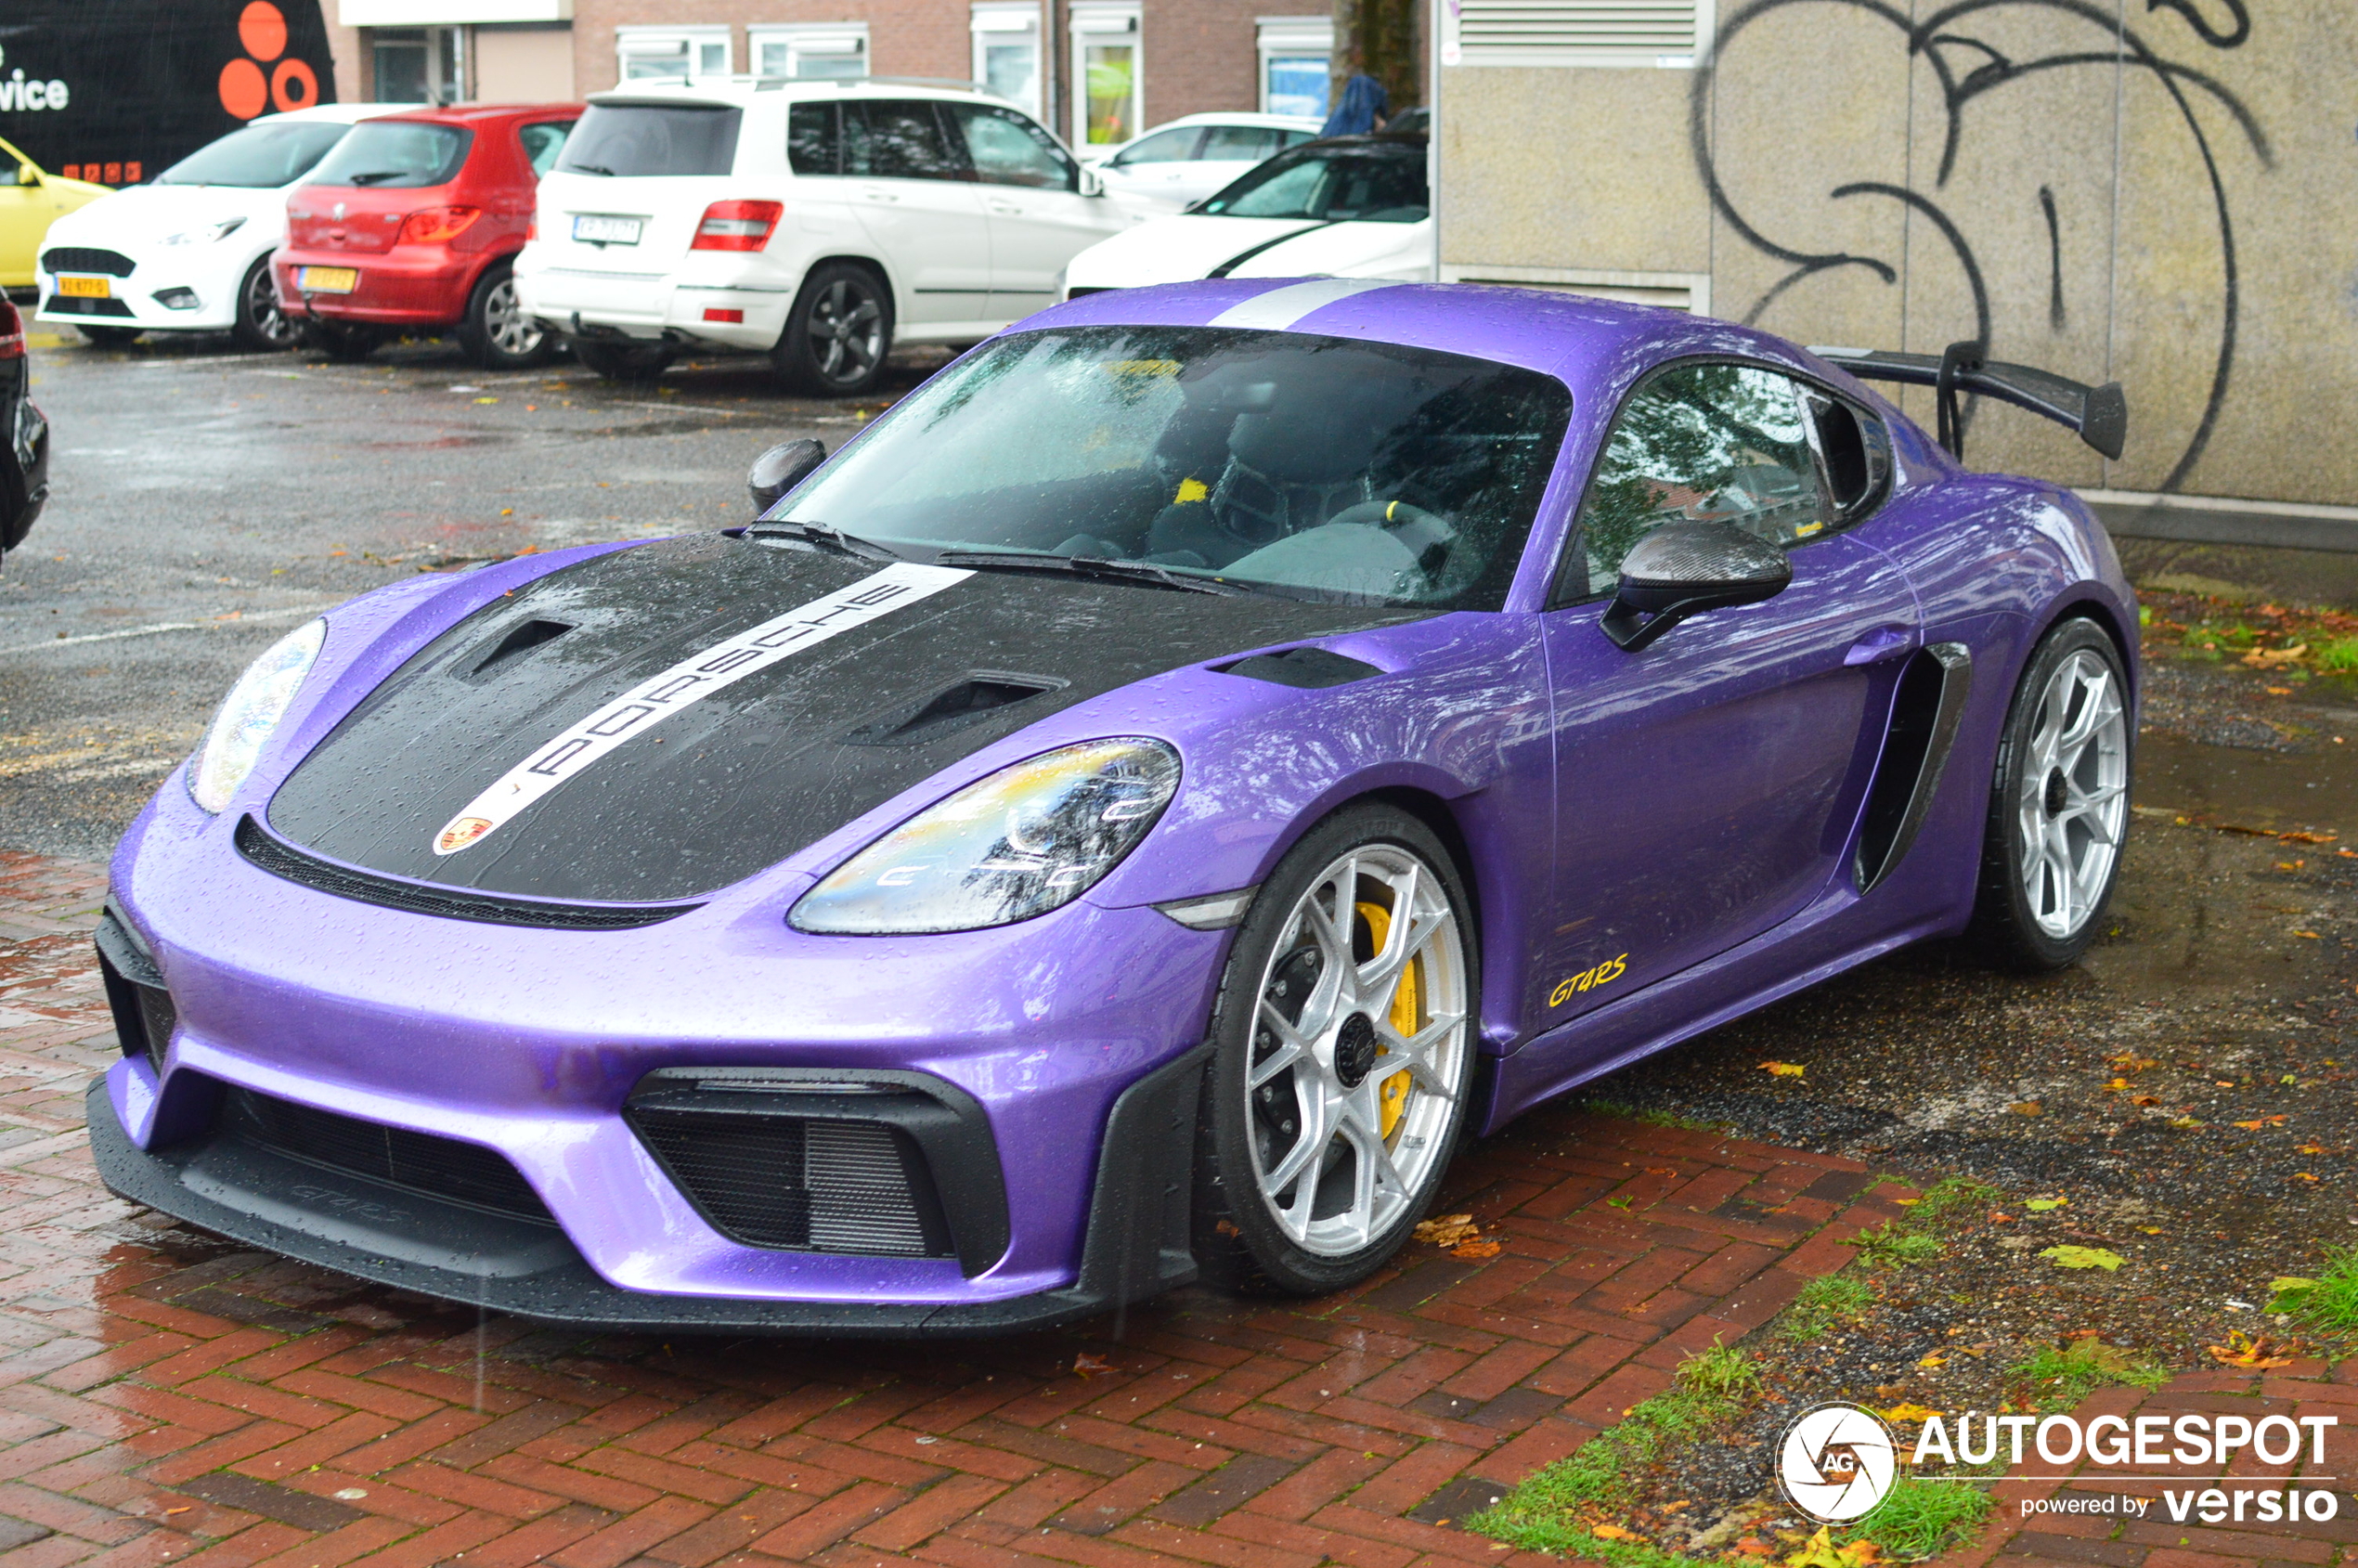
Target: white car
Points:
(817, 222)
(1349, 207)
(190, 252)
(1177, 165)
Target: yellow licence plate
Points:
(328, 280)
(85, 288)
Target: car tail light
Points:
(714, 313)
(11, 332)
(531, 228)
(434, 225)
(737, 225)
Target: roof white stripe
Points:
(1280, 308)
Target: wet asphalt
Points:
(205, 502)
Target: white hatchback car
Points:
(1348, 207)
(817, 222)
(1181, 162)
(190, 252)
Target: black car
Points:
(24, 455)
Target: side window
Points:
(1163, 146)
(1006, 149)
(1238, 144)
(897, 139)
(814, 139)
(1701, 443)
(542, 143)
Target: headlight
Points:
(248, 715)
(1019, 843)
(206, 235)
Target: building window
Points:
(418, 64)
(832, 50)
(672, 54)
(1108, 86)
(1006, 52)
(1296, 56)
(1576, 32)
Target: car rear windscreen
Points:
(260, 157)
(395, 155)
(644, 138)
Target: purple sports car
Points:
(1129, 814)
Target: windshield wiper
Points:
(825, 535)
(1083, 566)
(590, 169)
(373, 176)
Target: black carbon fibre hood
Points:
(720, 788)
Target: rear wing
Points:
(2099, 414)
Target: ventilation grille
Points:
(801, 1185)
(283, 859)
(443, 1168)
(87, 258)
(70, 305)
(1578, 31)
(144, 1016)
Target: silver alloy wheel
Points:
(505, 325)
(1358, 1050)
(2074, 794)
(846, 332)
(269, 323)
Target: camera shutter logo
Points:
(1836, 1463)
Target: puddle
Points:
(2315, 792)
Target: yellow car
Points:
(29, 200)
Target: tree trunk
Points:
(1386, 39)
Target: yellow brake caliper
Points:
(1394, 1092)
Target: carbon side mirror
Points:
(779, 470)
(1682, 569)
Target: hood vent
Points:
(520, 641)
(971, 701)
(1308, 668)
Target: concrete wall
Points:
(2156, 192)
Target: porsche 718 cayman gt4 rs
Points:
(1129, 813)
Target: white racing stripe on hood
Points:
(689, 682)
(1280, 308)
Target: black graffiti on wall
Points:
(1966, 69)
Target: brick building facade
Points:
(1096, 71)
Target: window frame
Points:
(1841, 520)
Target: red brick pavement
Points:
(167, 1397)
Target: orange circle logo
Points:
(261, 30)
(243, 91)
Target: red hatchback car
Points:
(413, 222)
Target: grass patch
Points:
(1918, 1519)
(1545, 1513)
(2059, 1377)
(1827, 1302)
(1624, 1112)
(1895, 1246)
(2332, 1302)
(1950, 1198)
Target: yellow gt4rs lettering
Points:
(1611, 969)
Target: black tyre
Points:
(261, 327)
(494, 332)
(108, 337)
(1345, 1037)
(837, 334)
(334, 339)
(2058, 804)
(624, 361)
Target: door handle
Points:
(870, 193)
(1006, 209)
(1884, 643)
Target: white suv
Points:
(817, 222)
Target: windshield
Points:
(260, 157)
(397, 155)
(636, 139)
(1310, 467)
(1363, 182)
